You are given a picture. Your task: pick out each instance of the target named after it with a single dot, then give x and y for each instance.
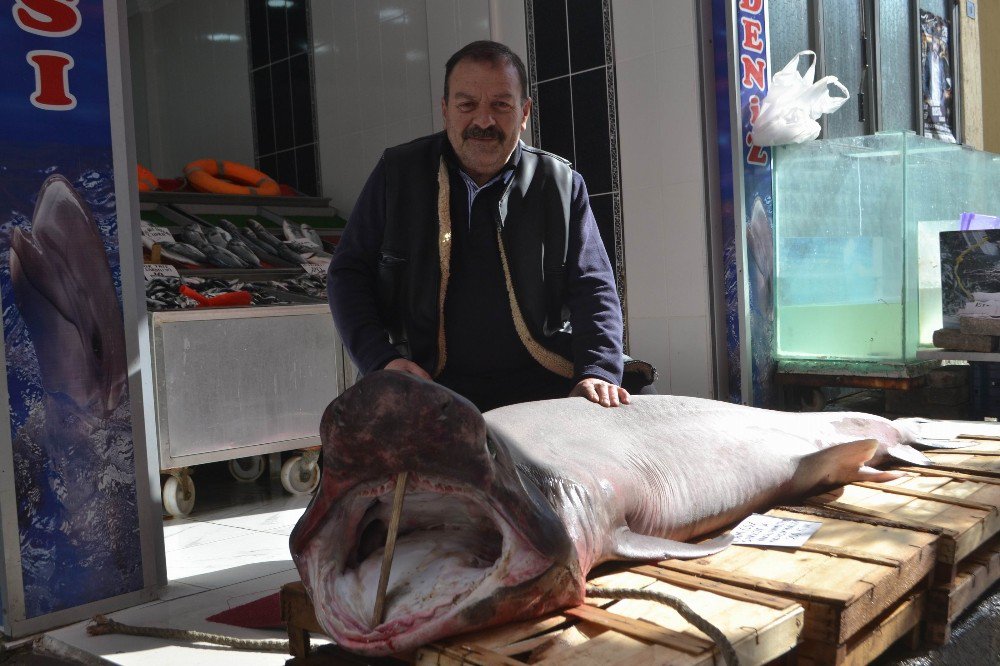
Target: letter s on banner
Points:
(49, 18)
(51, 80)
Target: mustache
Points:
(483, 133)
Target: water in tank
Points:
(856, 226)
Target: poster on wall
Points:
(746, 200)
(72, 449)
(937, 94)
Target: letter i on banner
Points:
(52, 80)
(57, 19)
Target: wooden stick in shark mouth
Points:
(507, 512)
(390, 547)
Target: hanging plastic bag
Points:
(794, 103)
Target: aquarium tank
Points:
(857, 266)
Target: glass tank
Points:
(856, 241)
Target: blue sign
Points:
(758, 202)
(60, 288)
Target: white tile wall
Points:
(379, 73)
(666, 223)
(140, 97)
(196, 88)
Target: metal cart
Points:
(238, 384)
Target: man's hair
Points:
(487, 51)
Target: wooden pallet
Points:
(851, 577)
(900, 622)
(964, 509)
(761, 627)
(981, 458)
(946, 602)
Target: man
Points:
(474, 260)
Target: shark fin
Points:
(839, 465)
(628, 545)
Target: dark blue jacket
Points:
(593, 346)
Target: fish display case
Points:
(857, 276)
(245, 355)
(239, 384)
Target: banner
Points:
(758, 201)
(61, 293)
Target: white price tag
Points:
(758, 530)
(153, 271)
(155, 233)
(314, 269)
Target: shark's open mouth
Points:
(454, 549)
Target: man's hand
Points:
(601, 392)
(405, 365)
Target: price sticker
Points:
(155, 233)
(758, 530)
(154, 271)
(314, 269)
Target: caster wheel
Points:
(299, 477)
(178, 496)
(247, 470)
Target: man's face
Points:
(484, 115)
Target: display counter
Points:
(245, 354)
(239, 382)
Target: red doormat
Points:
(264, 613)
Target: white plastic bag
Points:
(793, 103)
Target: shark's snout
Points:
(65, 292)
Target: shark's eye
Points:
(491, 447)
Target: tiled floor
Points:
(232, 550)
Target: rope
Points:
(725, 647)
(103, 625)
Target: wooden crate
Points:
(762, 627)
(980, 458)
(901, 621)
(851, 577)
(962, 508)
(946, 602)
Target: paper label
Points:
(758, 530)
(314, 269)
(153, 271)
(155, 233)
(980, 309)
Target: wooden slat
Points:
(852, 553)
(976, 574)
(967, 451)
(971, 464)
(640, 629)
(695, 583)
(882, 515)
(462, 655)
(759, 583)
(495, 638)
(873, 643)
(964, 476)
(935, 497)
